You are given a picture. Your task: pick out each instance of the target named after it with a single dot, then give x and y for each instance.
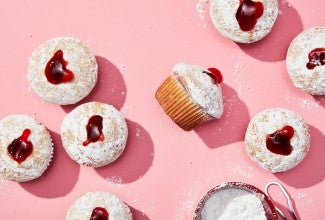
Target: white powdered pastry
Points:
(223, 15)
(101, 152)
(308, 80)
(268, 122)
(200, 88)
(81, 61)
(233, 204)
(11, 128)
(83, 207)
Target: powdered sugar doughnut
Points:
(277, 139)
(306, 61)
(99, 205)
(244, 21)
(62, 70)
(26, 148)
(94, 134)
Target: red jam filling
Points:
(215, 75)
(279, 141)
(99, 213)
(56, 70)
(316, 58)
(247, 14)
(20, 148)
(94, 130)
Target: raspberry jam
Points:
(215, 75)
(56, 70)
(94, 130)
(279, 141)
(99, 213)
(20, 148)
(247, 14)
(316, 58)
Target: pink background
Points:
(164, 171)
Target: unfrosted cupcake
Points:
(277, 139)
(306, 61)
(191, 95)
(99, 206)
(94, 134)
(62, 70)
(26, 148)
(244, 21)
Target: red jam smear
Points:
(94, 130)
(99, 213)
(21, 148)
(56, 70)
(316, 58)
(247, 14)
(279, 141)
(215, 75)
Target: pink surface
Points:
(164, 171)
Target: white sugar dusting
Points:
(234, 204)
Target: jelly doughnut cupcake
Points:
(62, 70)
(26, 148)
(191, 95)
(94, 134)
(244, 21)
(306, 61)
(99, 205)
(277, 139)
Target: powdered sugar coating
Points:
(82, 208)
(308, 80)
(223, 15)
(11, 128)
(233, 203)
(81, 61)
(200, 88)
(100, 153)
(267, 122)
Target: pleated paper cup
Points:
(179, 106)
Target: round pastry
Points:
(99, 205)
(94, 134)
(306, 61)
(277, 139)
(26, 148)
(191, 95)
(62, 70)
(244, 21)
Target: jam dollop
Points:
(94, 130)
(21, 148)
(99, 213)
(247, 14)
(215, 75)
(316, 58)
(279, 141)
(56, 70)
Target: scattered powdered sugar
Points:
(200, 88)
(201, 9)
(304, 103)
(234, 204)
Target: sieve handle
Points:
(285, 193)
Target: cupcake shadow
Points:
(110, 87)
(274, 46)
(231, 127)
(310, 171)
(136, 159)
(59, 179)
(137, 214)
(320, 99)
